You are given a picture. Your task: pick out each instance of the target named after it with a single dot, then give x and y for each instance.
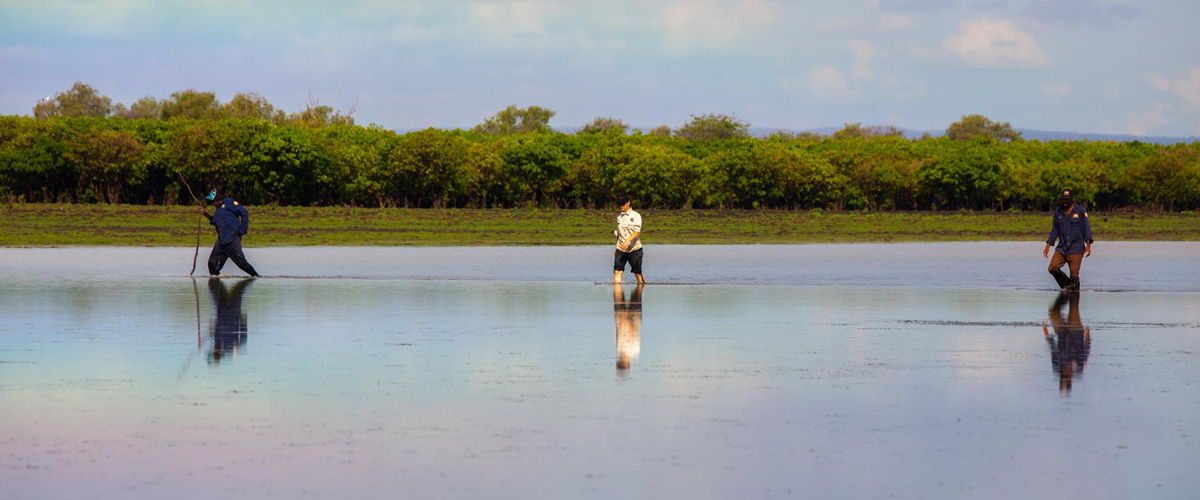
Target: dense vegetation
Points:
(89, 153)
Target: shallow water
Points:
(849, 371)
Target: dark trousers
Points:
(232, 250)
(634, 259)
(1073, 262)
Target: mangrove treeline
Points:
(142, 161)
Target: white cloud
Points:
(882, 23)
(712, 25)
(902, 88)
(1186, 89)
(827, 79)
(893, 23)
(514, 19)
(1146, 121)
(864, 53)
(997, 43)
(862, 76)
(1057, 91)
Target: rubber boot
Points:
(1064, 282)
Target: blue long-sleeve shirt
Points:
(231, 220)
(1071, 230)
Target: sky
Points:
(1096, 66)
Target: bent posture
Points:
(1074, 234)
(232, 221)
(629, 242)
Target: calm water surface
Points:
(823, 371)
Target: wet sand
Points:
(827, 371)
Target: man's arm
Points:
(1087, 235)
(205, 214)
(629, 242)
(1050, 240)
(635, 223)
(245, 216)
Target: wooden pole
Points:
(199, 221)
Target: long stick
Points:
(199, 221)
(196, 253)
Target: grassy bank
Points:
(129, 225)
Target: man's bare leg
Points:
(617, 276)
(641, 280)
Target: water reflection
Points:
(628, 317)
(1070, 343)
(230, 328)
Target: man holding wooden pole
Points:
(232, 222)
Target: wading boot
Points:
(1064, 282)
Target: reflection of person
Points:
(1074, 234)
(230, 328)
(1070, 343)
(232, 222)
(628, 316)
(629, 241)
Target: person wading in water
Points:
(629, 241)
(232, 221)
(1074, 234)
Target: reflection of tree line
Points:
(1070, 343)
(627, 315)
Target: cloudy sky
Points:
(1079, 65)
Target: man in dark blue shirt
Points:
(1074, 234)
(231, 221)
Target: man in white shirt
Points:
(629, 242)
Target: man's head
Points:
(623, 202)
(1065, 199)
(213, 198)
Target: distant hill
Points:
(1045, 135)
(1027, 134)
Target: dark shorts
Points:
(634, 259)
